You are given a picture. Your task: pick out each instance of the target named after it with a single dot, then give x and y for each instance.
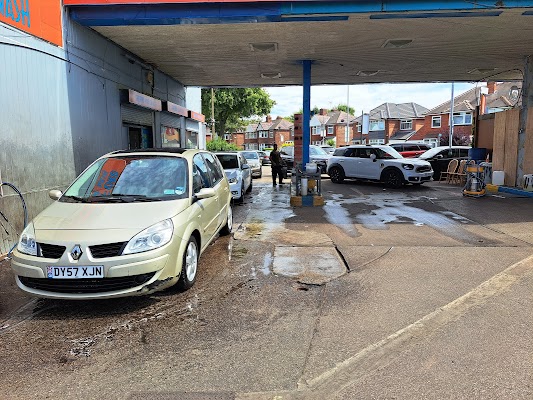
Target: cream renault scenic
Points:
(132, 223)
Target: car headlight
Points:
(151, 238)
(408, 166)
(27, 243)
(232, 180)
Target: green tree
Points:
(220, 144)
(344, 107)
(234, 104)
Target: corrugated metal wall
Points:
(60, 108)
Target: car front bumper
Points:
(127, 275)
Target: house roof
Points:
(502, 96)
(281, 123)
(402, 135)
(264, 126)
(467, 101)
(338, 117)
(396, 111)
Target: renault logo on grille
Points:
(76, 252)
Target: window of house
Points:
(359, 128)
(436, 122)
(462, 118)
(271, 134)
(313, 130)
(330, 130)
(406, 125)
(376, 141)
(246, 135)
(377, 125)
(263, 134)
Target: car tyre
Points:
(240, 200)
(249, 187)
(189, 267)
(392, 178)
(336, 174)
(226, 229)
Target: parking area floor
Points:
(411, 293)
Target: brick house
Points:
(340, 127)
(391, 123)
(436, 129)
(264, 134)
(236, 138)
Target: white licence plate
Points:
(79, 272)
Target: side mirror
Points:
(205, 193)
(439, 156)
(373, 157)
(55, 194)
(245, 166)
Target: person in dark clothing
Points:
(276, 163)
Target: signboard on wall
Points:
(41, 18)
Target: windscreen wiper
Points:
(123, 198)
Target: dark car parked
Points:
(316, 155)
(409, 149)
(439, 157)
(264, 157)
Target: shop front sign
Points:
(36, 17)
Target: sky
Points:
(363, 98)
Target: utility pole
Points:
(451, 117)
(213, 133)
(347, 135)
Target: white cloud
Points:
(363, 98)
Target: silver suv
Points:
(377, 163)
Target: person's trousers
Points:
(277, 171)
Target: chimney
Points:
(323, 111)
(269, 118)
(492, 87)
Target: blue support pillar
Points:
(306, 112)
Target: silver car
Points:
(254, 161)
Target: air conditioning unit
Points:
(527, 183)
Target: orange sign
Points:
(108, 177)
(41, 18)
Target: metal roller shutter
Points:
(137, 116)
(170, 120)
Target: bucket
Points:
(311, 168)
(498, 177)
(304, 186)
(477, 153)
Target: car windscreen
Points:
(431, 153)
(228, 161)
(250, 155)
(131, 179)
(317, 151)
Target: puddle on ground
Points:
(392, 208)
(267, 262)
(312, 268)
(273, 209)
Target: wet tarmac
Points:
(290, 295)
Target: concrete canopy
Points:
(262, 43)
